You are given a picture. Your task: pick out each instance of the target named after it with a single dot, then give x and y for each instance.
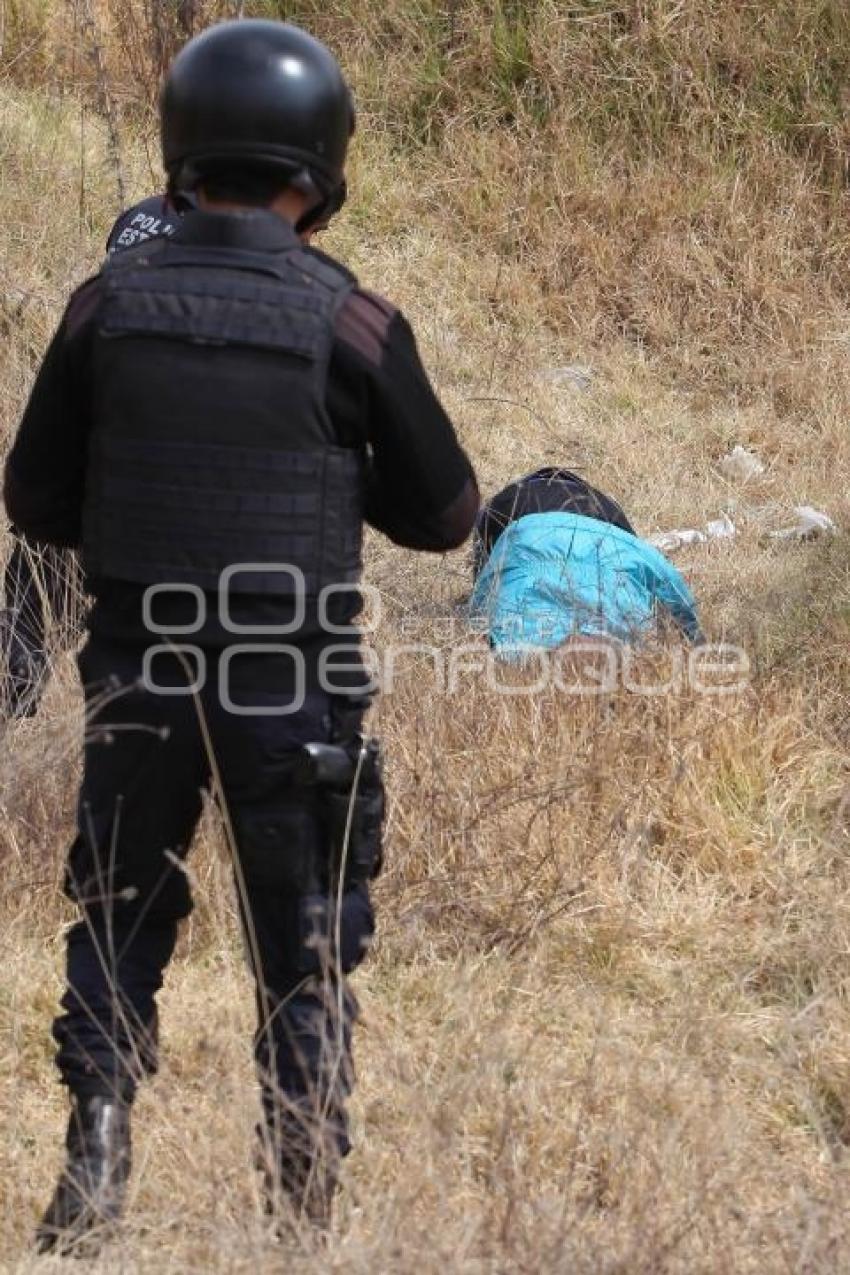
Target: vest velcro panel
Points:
(238, 312)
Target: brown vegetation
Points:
(606, 1024)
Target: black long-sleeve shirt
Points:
(421, 488)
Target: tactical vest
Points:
(211, 445)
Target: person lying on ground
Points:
(556, 559)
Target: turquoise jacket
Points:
(552, 576)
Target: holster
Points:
(353, 818)
(327, 831)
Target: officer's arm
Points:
(45, 471)
(422, 491)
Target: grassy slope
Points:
(605, 1028)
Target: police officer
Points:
(156, 217)
(44, 588)
(218, 414)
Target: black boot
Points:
(90, 1193)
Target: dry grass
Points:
(606, 1025)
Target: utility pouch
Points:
(280, 847)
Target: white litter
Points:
(741, 465)
(810, 523)
(669, 541)
(577, 375)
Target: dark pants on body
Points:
(147, 761)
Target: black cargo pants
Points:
(147, 761)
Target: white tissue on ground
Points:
(718, 529)
(810, 523)
(741, 464)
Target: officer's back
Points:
(251, 404)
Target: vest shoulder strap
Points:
(284, 301)
(312, 266)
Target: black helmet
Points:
(265, 95)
